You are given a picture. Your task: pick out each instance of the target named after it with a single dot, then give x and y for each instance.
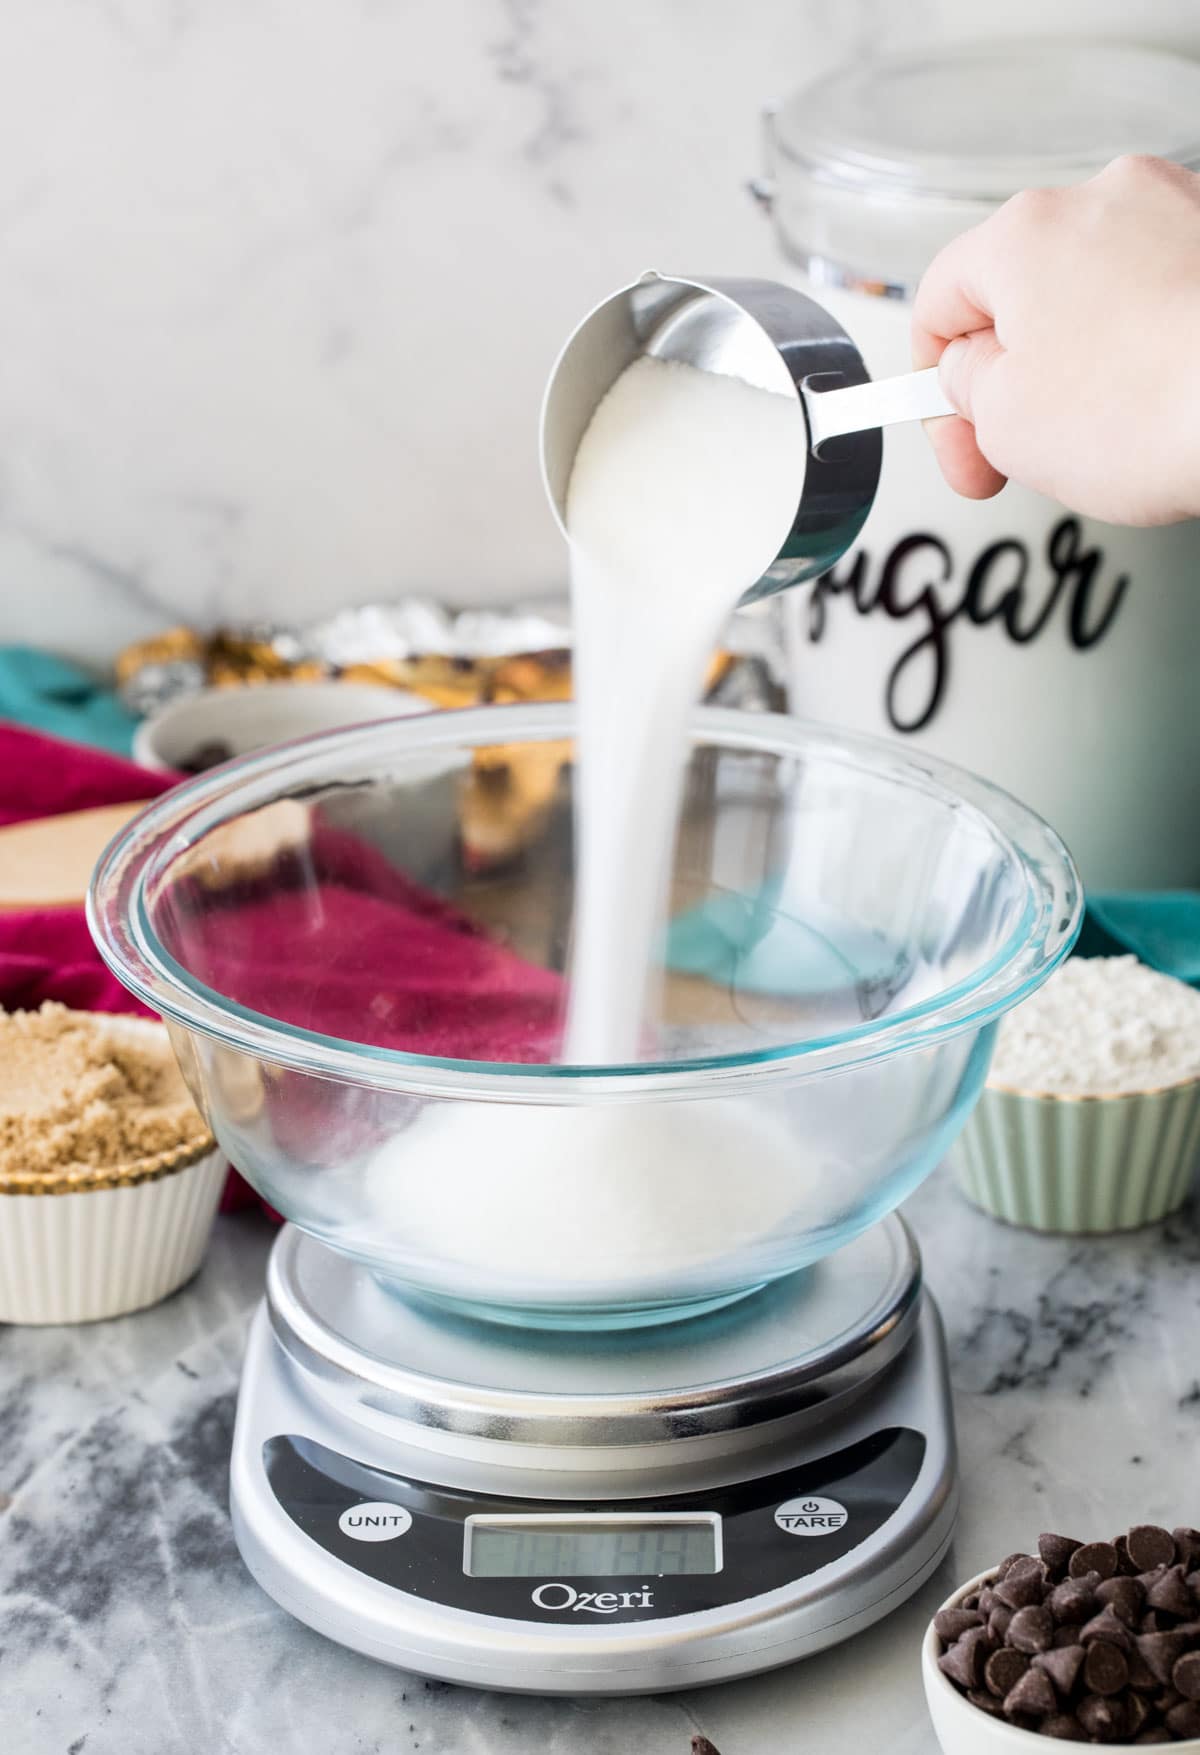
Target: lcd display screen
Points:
(592, 1547)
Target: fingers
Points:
(952, 328)
(951, 300)
(961, 461)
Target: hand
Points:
(1067, 327)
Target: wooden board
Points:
(48, 863)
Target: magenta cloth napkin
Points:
(49, 954)
(358, 950)
(44, 776)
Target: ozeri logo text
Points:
(564, 1598)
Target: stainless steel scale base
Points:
(610, 1514)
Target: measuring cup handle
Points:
(855, 408)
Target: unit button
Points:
(374, 1521)
(811, 1517)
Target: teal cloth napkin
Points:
(48, 694)
(1160, 927)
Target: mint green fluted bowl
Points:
(1055, 1162)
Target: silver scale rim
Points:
(808, 1383)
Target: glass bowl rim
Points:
(119, 921)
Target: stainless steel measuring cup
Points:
(769, 335)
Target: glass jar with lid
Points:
(1054, 654)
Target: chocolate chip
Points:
(1141, 1676)
(1153, 1622)
(1063, 1666)
(1171, 1594)
(1075, 1598)
(964, 1661)
(1098, 1557)
(985, 1702)
(1034, 1694)
(1125, 1595)
(1064, 1727)
(1004, 1670)
(1149, 1546)
(1008, 1561)
(1124, 1563)
(1031, 1629)
(987, 1601)
(1137, 1715)
(1055, 1553)
(1185, 1675)
(1184, 1720)
(1105, 1670)
(1161, 1651)
(963, 1664)
(999, 1622)
(1022, 1584)
(1066, 1635)
(1105, 1625)
(1101, 1718)
(1166, 1698)
(1187, 1546)
(950, 1624)
(971, 1602)
(1193, 1584)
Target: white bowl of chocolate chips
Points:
(1095, 1642)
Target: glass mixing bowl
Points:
(358, 943)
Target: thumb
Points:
(963, 371)
(964, 374)
(964, 367)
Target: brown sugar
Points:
(80, 1091)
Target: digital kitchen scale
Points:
(619, 1513)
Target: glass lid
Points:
(873, 169)
(987, 119)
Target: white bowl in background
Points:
(962, 1729)
(254, 715)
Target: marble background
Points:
(128, 1625)
(280, 280)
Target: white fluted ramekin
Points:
(95, 1243)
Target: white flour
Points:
(682, 492)
(1101, 1024)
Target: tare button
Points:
(811, 1517)
(374, 1521)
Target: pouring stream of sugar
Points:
(682, 487)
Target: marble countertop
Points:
(129, 1627)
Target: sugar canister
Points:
(1054, 654)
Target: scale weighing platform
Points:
(617, 1513)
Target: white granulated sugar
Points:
(578, 1201)
(1101, 1025)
